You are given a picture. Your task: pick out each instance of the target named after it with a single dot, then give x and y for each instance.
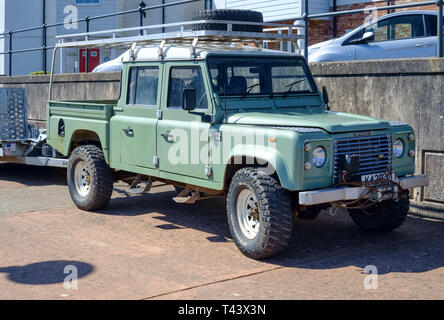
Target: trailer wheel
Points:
(229, 15)
(90, 179)
(259, 214)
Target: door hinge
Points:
(159, 114)
(218, 136)
(208, 171)
(156, 161)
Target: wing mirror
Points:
(189, 99)
(367, 37)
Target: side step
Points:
(187, 196)
(136, 189)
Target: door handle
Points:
(128, 130)
(423, 45)
(168, 137)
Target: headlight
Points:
(319, 157)
(398, 148)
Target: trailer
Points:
(21, 142)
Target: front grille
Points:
(374, 152)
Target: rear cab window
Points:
(143, 85)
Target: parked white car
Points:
(112, 65)
(406, 34)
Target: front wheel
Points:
(259, 214)
(384, 216)
(90, 179)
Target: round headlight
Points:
(319, 157)
(398, 148)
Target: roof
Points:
(407, 12)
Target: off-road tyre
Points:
(100, 178)
(230, 15)
(275, 215)
(384, 217)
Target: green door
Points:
(182, 136)
(138, 120)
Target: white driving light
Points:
(307, 147)
(307, 166)
(398, 148)
(319, 157)
(411, 137)
(411, 153)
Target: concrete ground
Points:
(148, 247)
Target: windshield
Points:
(247, 76)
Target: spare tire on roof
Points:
(229, 15)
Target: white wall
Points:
(14, 17)
(276, 10)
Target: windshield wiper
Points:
(250, 88)
(291, 85)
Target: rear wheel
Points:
(90, 179)
(259, 214)
(384, 216)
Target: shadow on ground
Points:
(326, 243)
(32, 176)
(48, 272)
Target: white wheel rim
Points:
(82, 179)
(248, 214)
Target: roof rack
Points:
(184, 35)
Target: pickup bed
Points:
(79, 121)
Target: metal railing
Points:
(141, 10)
(439, 3)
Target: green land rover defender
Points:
(242, 122)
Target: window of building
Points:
(143, 86)
(87, 1)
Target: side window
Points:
(431, 25)
(143, 86)
(182, 78)
(407, 27)
(398, 28)
(381, 31)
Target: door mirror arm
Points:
(205, 118)
(325, 97)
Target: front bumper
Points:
(309, 198)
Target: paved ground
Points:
(148, 247)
